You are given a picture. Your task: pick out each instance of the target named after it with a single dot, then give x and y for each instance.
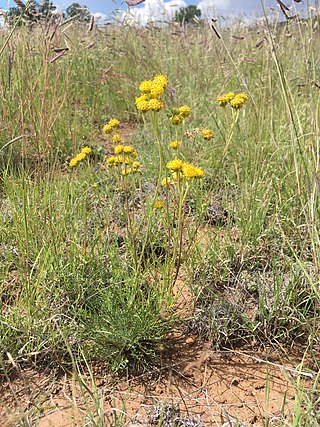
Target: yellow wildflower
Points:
(175, 165)
(134, 154)
(158, 204)
(73, 162)
(175, 144)
(80, 157)
(86, 150)
(177, 119)
(145, 86)
(118, 160)
(225, 99)
(207, 134)
(155, 105)
(113, 123)
(176, 176)
(107, 128)
(244, 96)
(156, 89)
(125, 172)
(118, 149)
(185, 110)
(190, 171)
(166, 182)
(142, 105)
(111, 161)
(116, 138)
(128, 149)
(238, 101)
(136, 165)
(143, 97)
(162, 80)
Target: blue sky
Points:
(225, 7)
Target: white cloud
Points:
(209, 8)
(99, 16)
(153, 11)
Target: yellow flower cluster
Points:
(175, 165)
(158, 204)
(152, 90)
(179, 114)
(116, 138)
(225, 99)
(79, 157)
(235, 101)
(166, 182)
(175, 144)
(185, 110)
(239, 100)
(187, 170)
(125, 149)
(111, 126)
(190, 171)
(124, 156)
(207, 134)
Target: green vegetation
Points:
(187, 14)
(89, 268)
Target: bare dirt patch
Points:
(214, 387)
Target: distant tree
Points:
(46, 8)
(187, 14)
(29, 13)
(32, 12)
(82, 12)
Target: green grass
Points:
(77, 277)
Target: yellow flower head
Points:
(207, 134)
(156, 89)
(166, 182)
(136, 165)
(145, 86)
(225, 99)
(175, 165)
(185, 110)
(128, 149)
(113, 123)
(107, 128)
(80, 157)
(111, 161)
(134, 154)
(73, 162)
(118, 160)
(190, 171)
(116, 138)
(244, 96)
(175, 144)
(162, 80)
(143, 97)
(176, 119)
(238, 101)
(118, 149)
(155, 105)
(86, 150)
(158, 204)
(176, 176)
(142, 105)
(126, 171)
